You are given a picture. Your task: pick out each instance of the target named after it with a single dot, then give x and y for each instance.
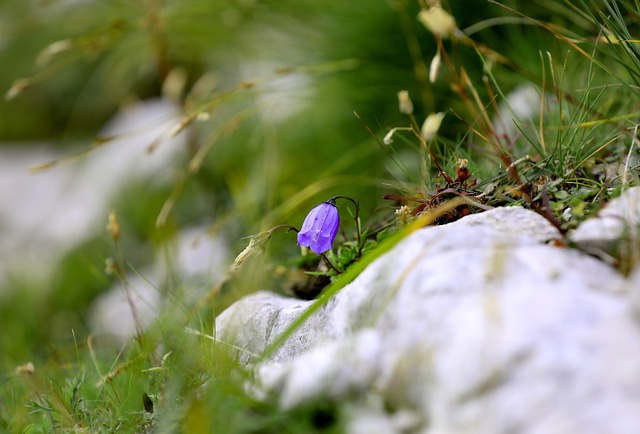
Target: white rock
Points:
(476, 326)
(618, 219)
(45, 215)
(520, 108)
(196, 260)
(119, 313)
(370, 417)
(354, 371)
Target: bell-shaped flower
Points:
(320, 227)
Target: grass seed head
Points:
(438, 21)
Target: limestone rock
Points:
(613, 227)
(46, 215)
(196, 259)
(477, 326)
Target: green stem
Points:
(356, 217)
(329, 263)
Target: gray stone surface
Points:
(477, 326)
(613, 227)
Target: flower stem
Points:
(289, 229)
(329, 263)
(257, 244)
(356, 218)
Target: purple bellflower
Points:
(320, 227)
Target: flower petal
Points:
(320, 228)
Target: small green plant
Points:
(318, 233)
(558, 165)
